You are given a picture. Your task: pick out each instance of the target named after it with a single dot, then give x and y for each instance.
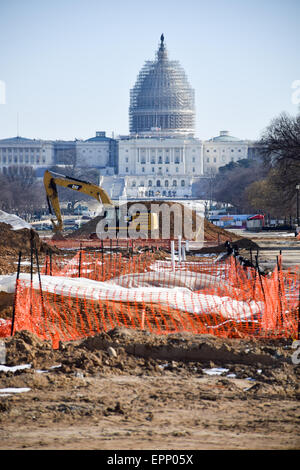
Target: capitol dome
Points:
(162, 102)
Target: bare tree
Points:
(21, 192)
(232, 180)
(280, 145)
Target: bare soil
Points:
(129, 389)
(12, 242)
(189, 218)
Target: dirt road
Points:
(101, 398)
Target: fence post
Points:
(183, 252)
(15, 296)
(40, 281)
(179, 248)
(80, 260)
(50, 260)
(279, 286)
(173, 255)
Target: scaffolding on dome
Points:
(162, 99)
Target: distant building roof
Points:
(225, 137)
(100, 137)
(18, 139)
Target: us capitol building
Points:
(161, 157)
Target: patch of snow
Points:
(41, 371)
(14, 368)
(14, 221)
(14, 390)
(215, 371)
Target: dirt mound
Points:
(214, 233)
(239, 242)
(189, 219)
(6, 304)
(14, 241)
(25, 347)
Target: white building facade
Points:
(18, 153)
(97, 152)
(161, 167)
(221, 150)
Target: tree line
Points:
(266, 184)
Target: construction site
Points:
(165, 314)
(147, 343)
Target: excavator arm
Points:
(52, 180)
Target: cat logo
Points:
(75, 186)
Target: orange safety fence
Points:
(221, 299)
(98, 266)
(96, 243)
(121, 243)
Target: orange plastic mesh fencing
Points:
(221, 299)
(96, 265)
(122, 243)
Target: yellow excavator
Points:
(119, 223)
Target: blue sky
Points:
(68, 65)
